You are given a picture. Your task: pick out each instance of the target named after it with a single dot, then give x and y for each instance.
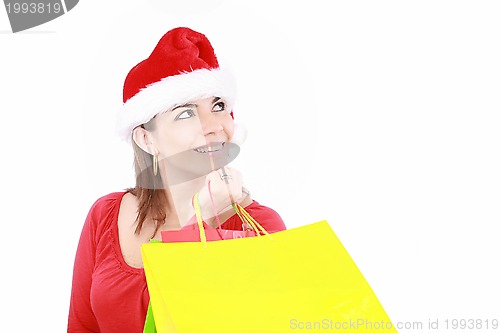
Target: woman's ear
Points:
(143, 139)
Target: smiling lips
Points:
(211, 147)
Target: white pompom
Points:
(240, 133)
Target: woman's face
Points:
(199, 126)
(189, 136)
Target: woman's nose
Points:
(210, 124)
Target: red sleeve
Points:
(81, 317)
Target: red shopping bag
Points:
(192, 232)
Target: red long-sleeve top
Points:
(108, 295)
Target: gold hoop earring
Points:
(155, 164)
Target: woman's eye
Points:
(185, 115)
(219, 106)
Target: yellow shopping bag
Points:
(300, 279)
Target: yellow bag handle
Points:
(197, 210)
(245, 216)
(242, 213)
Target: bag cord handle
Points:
(240, 211)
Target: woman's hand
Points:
(224, 187)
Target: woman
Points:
(177, 114)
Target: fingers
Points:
(225, 176)
(228, 174)
(226, 185)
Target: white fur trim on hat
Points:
(174, 90)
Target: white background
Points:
(381, 117)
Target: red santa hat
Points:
(182, 67)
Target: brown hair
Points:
(148, 189)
